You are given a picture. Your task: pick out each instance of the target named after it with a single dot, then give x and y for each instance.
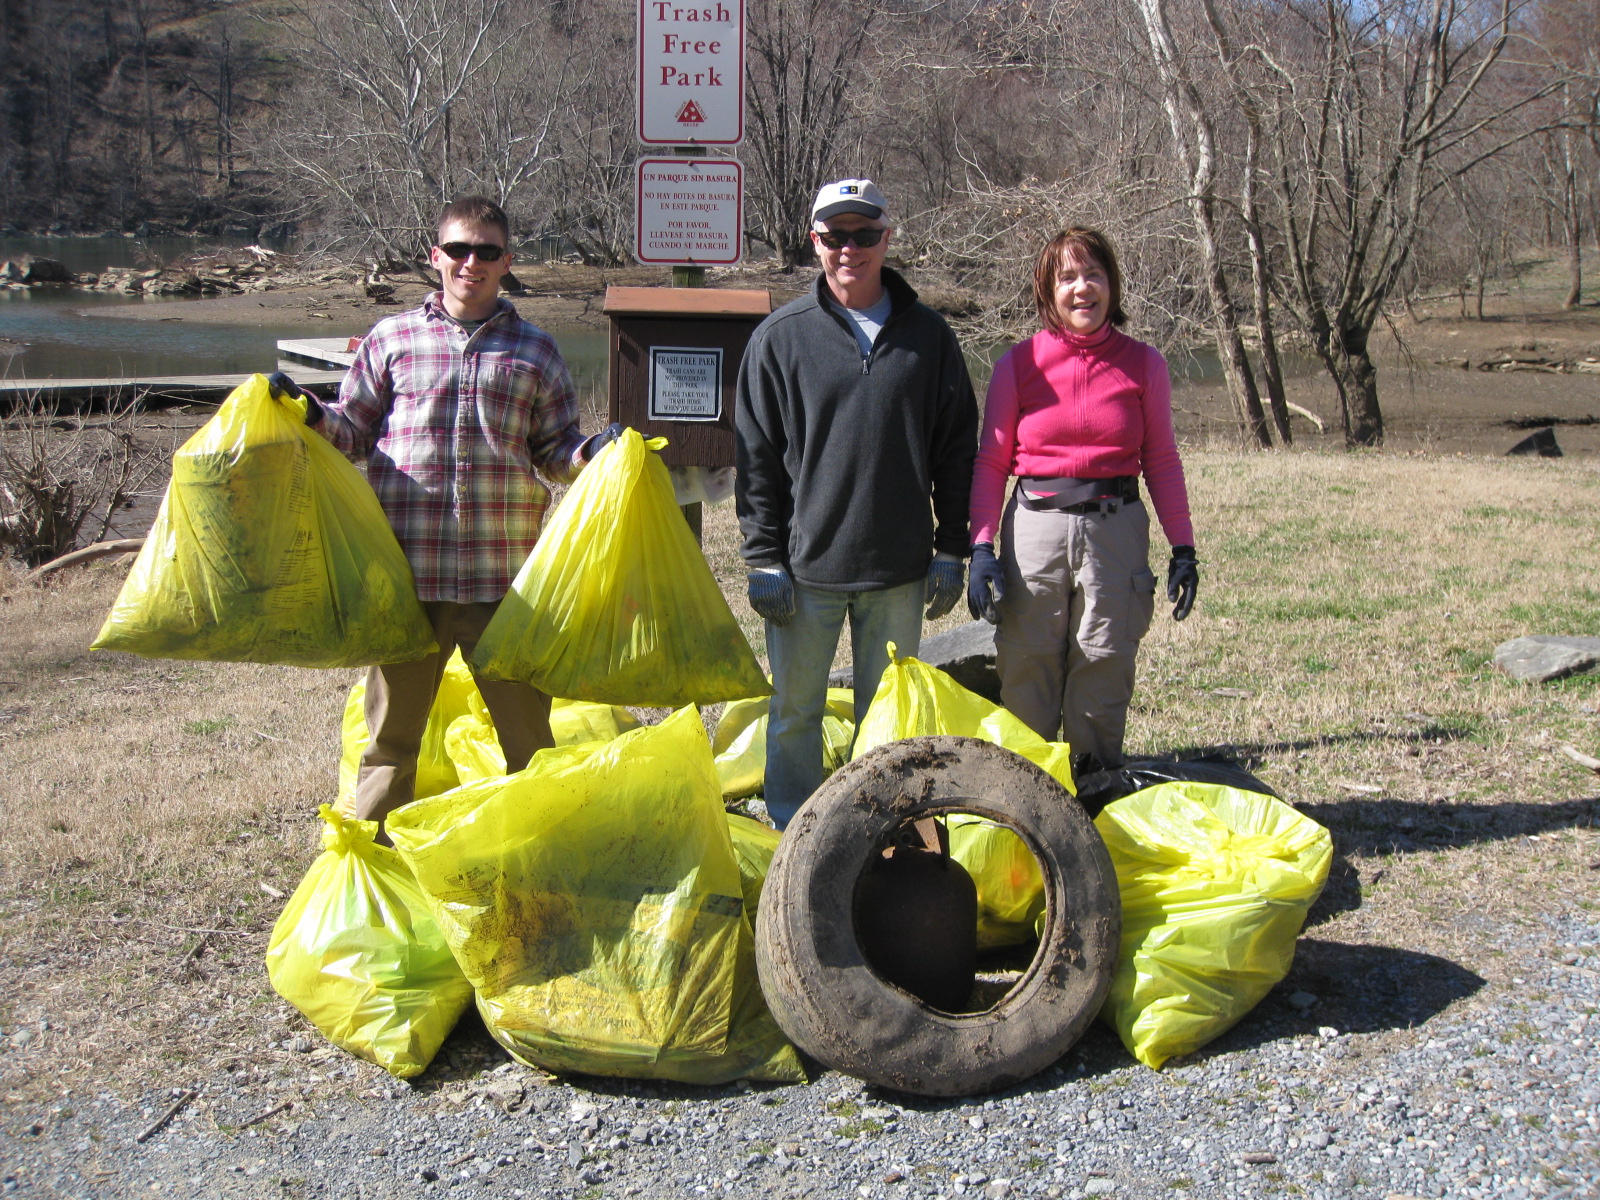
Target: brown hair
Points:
(476, 210)
(1080, 243)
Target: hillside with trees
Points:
(1271, 169)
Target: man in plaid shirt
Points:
(455, 405)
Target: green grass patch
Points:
(208, 725)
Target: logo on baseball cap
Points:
(850, 196)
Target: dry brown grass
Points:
(1355, 598)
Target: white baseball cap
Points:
(850, 196)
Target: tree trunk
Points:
(1271, 368)
(1230, 345)
(1357, 379)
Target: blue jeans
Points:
(801, 654)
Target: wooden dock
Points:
(157, 391)
(331, 353)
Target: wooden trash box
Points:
(674, 365)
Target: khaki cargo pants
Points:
(1079, 597)
(399, 696)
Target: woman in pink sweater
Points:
(1077, 413)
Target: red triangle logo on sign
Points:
(690, 114)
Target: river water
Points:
(67, 333)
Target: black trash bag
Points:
(1101, 788)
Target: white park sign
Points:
(690, 211)
(691, 73)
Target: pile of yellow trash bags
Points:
(599, 905)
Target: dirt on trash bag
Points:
(357, 950)
(740, 744)
(616, 604)
(595, 902)
(1215, 884)
(268, 547)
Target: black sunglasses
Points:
(486, 251)
(838, 239)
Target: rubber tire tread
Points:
(831, 1003)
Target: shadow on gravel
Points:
(469, 1052)
(1358, 989)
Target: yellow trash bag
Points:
(1215, 884)
(595, 903)
(917, 700)
(616, 603)
(435, 771)
(357, 951)
(474, 747)
(740, 745)
(268, 547)
(754, 844)
(1010, 885)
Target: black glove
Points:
(986, 584)
(772, 595)
(280, 385)
(943, 587)
(595, 443)
(1183, 578)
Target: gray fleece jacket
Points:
(840, 455)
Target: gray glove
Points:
(946, 580)
(772, 595)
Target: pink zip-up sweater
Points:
(1089, 407)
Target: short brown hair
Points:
(1082, 243)
(476, 210)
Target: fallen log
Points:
(87, 554)
(1582, 759)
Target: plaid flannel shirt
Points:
(452, 428)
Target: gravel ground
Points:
(1342, 1083)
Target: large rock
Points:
(1543, 657)
(1539, 444)
(965, 653)
(46, 270)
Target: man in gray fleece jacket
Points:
(856, 428)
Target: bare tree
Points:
(1373, 108)
(586, 195)
(410, 102)
(1194, 135)
(62, 473)
(800, 61)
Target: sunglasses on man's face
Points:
(486, 251)
(838, 239)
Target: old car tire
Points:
(832, 1004)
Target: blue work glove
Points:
(986, 585)
(945, 576)
(1183, 578)
(772, 594)
(595, 443)
(280, 385)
